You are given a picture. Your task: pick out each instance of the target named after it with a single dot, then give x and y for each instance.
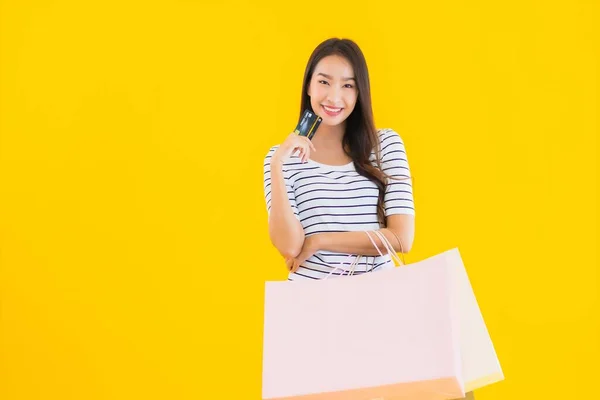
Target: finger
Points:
(311, 144)
(301, 154)
(306, 153)
(295, 266)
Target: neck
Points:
(329, 137)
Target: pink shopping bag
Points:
(393, 333)
(388, 334)
(480, 365)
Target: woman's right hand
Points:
(292, 143)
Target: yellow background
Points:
(133, 230)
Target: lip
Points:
(332, 114)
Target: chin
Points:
(336, 124)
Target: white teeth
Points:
(332, 109)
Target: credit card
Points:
(308, 124)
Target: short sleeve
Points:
(267, 184)
(398, 197)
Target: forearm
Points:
(356, 242)
(286, 232)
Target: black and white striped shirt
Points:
(328, 198)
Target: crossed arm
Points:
(400, 232)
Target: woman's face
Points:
(332, 90)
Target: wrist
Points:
(276, 162)
(317, 241)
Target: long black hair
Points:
(361, 136)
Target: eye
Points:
(324, 82)
(349, 85)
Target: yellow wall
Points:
(133, 236)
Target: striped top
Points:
(328, 198)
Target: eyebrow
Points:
(329, 77)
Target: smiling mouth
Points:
(331, 111)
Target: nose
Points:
(333, 95)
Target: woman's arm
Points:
(285, 230)
(401, 227)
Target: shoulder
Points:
(267, 159)
(389, 135)
(291, 164)
(272, 150)
(270, 153)
(389, 142)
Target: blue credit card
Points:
(308, 124)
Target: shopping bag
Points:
(480, 365)
(390, 334)
(393, 333)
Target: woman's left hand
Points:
(309, 248)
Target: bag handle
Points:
(400, 243)
(354, 263)
(352, 266)
(388, 247)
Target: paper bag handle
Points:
(352, 266)
(386, 244)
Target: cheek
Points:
(351, 100)
(318, 92)
(314, 102)
(318, 95)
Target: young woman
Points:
(322, 194)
